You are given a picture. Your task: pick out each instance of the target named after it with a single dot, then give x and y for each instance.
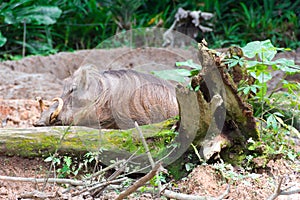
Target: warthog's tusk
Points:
(58, 109)
(41, 103)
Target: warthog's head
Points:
(79, 94)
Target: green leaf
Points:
(251, 148)
(68, 160)
(194, 72)
(264, 49)
(291, 86)
(291, 155)
(280, 120)
(48, 159)
(39, 15)
(233, 61)
(246, 90)
(189, 63)
(178, 75)
(254, 88)
(263, 88)
(188, 166)
(250, 50)
(278, 114)
(197, 88)
(271, 122)
(2, 40)
(287, 65)
(268, 51)
(262, 77)
(252, 63)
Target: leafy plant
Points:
(179, 75)
(227, 172)
(65, 164)
(240, 23)
(23, 16)
(260, 68)
(273, 129)
(161, 177)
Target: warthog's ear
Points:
(85, 77)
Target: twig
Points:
(37, 195)
(181, 196)
(42, 180)
(104, 170)
(99, 185)
(290, 192)
(279, 191)
(142, 181)
(148, 154)
(160, 160)
(145, 144)
(197, 152)
(106, 183)
(99, 189)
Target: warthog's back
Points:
(133, 96)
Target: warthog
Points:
(111, 99)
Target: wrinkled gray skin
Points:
(113, 99)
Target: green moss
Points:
(129, 140)
(234, 155)
(30, 147)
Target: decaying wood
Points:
(222, 118)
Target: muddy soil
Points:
(22, 81)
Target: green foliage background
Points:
(50, 26)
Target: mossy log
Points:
(78, 140)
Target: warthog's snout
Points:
(49, 116)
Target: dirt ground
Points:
(22, 81)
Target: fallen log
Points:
(77, 140)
